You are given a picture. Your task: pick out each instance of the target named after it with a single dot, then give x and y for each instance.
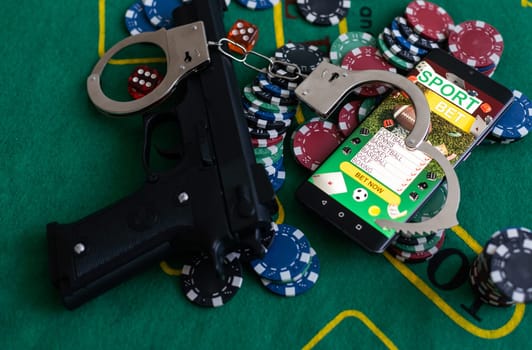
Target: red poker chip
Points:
(429, 20)
(476, 43)
(314, 141)
(258, 143)
(348, 117)
(367, 57)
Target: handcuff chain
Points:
(287, 67)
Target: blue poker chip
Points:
(516, 121)
(258, 4)
(159, 12)
(287, 257)
(300, 285)
(271, 116)
(136, 20)
(278, 179)
(274, 89)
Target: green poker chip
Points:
(395, 60)
(262, 105)
(366, 107)
(347, 42)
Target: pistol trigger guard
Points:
(329, 84)
(185, 48)
(447, 216)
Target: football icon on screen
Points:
(360, 194)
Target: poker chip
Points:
(287, 256)
(265, 114)
(367, 57)
(136, 20)
(348, 117)
(278, 179)
(396, 47)
(421, 255)
(258, 4)
(266, 133)
(510, 265)
(324, 13)
(313, 141)
(159, 12)
(255, 122)
(263, 105)
(273, 89)
(306, 57)
(347, 42)
(500, 275)
(300, 285)
(400, 28)
(516, 121)
(246, 254)
(367, 106)
(271, 99)
(203, 286)
(291, 81)
(429, 20)
(274, 151)
(262, 142)
(419, 244)
(392, 58)
(476, 43)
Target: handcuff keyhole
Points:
(334, 76)
(188, 58)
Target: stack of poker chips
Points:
(270, 105)
(500, 275)
(420, 247)
(425, 26)
(290, 266)
(515, 122)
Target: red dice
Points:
(243, 33)
(142, 81)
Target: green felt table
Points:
(62, 160)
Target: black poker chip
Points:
(259, 123)
(265, 133)
(270, 98)
(306, 57)
(324, 13)
(203, 286)
(279, 76)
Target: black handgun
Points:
(216, 199)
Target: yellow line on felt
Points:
(342, 26)
(280, 213)
(278, 24)
(101, 27)
(339, 318)
(449, 311)
(466, 237)
(168, 269)
(101, 43)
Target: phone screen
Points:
(372, 175)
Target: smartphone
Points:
(372, 175)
